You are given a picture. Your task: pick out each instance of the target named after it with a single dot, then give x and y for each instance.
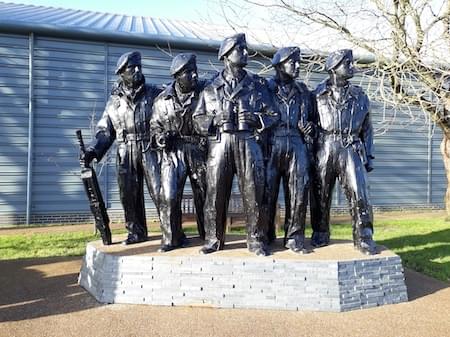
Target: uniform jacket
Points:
(171, 115)
(295, 108)
(125, 119)
(250, 94)
(351, 121)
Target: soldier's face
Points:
(132, 74)
(187, 78)
(238, 55)
(345, 70)
(291, 66)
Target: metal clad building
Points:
(56, 72)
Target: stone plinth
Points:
(333, 278)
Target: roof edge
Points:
(79, 33)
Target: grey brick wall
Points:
(243, 282)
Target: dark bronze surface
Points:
(232, 112)
(343, 150)
(126, 120)
(183, 151)
(287, 151)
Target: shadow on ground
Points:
(32, 288)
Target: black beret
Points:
(229, 43)
(125, 58)
(336, 57)
(283, 54)
(180, 61)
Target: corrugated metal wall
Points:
(71, 82)
(13, 123)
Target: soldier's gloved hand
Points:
(161, 140)
(203, 141)
(87, 157)
(307, 130)
(369, 164)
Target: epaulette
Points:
(356, 90)
(271, 84)
(321, 88)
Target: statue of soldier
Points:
(126, 120)
(288, 154)
(231, 111)
(343, 150)
(183, 151)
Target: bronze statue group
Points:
(263, 131)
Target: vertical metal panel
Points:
(69, 91)
(30, 126)
(105, 100)
(438, 177)
(429, 162)
(14, 65)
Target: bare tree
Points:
(403, 47)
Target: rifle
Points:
(94, 194)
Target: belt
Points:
(132, 137)
(190, 139)
(331, 132)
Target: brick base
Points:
(235, 278)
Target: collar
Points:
(129, 94)
(220, 81)
(170, 92)
(324, 88)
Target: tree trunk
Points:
(445, 151)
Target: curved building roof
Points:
(81, 24)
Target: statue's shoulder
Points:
(359, 94)
(321, 88)
(272, 84)
(259, 80)
(356, 90)
(162, 98)
(209, 86)
(152, 90)
(302, 87)
(114, 100)
(202, 84)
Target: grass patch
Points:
(423, 244)
(46, 244)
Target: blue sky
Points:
(192, 10)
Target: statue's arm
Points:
(105, 133)
(269, 113)
(202, 119)
(367, 132)
(158, 125)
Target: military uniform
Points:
(184, 155)
(288, 157)
(344, 149)
(233, 148)
(126, 120)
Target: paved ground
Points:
(40, 297)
